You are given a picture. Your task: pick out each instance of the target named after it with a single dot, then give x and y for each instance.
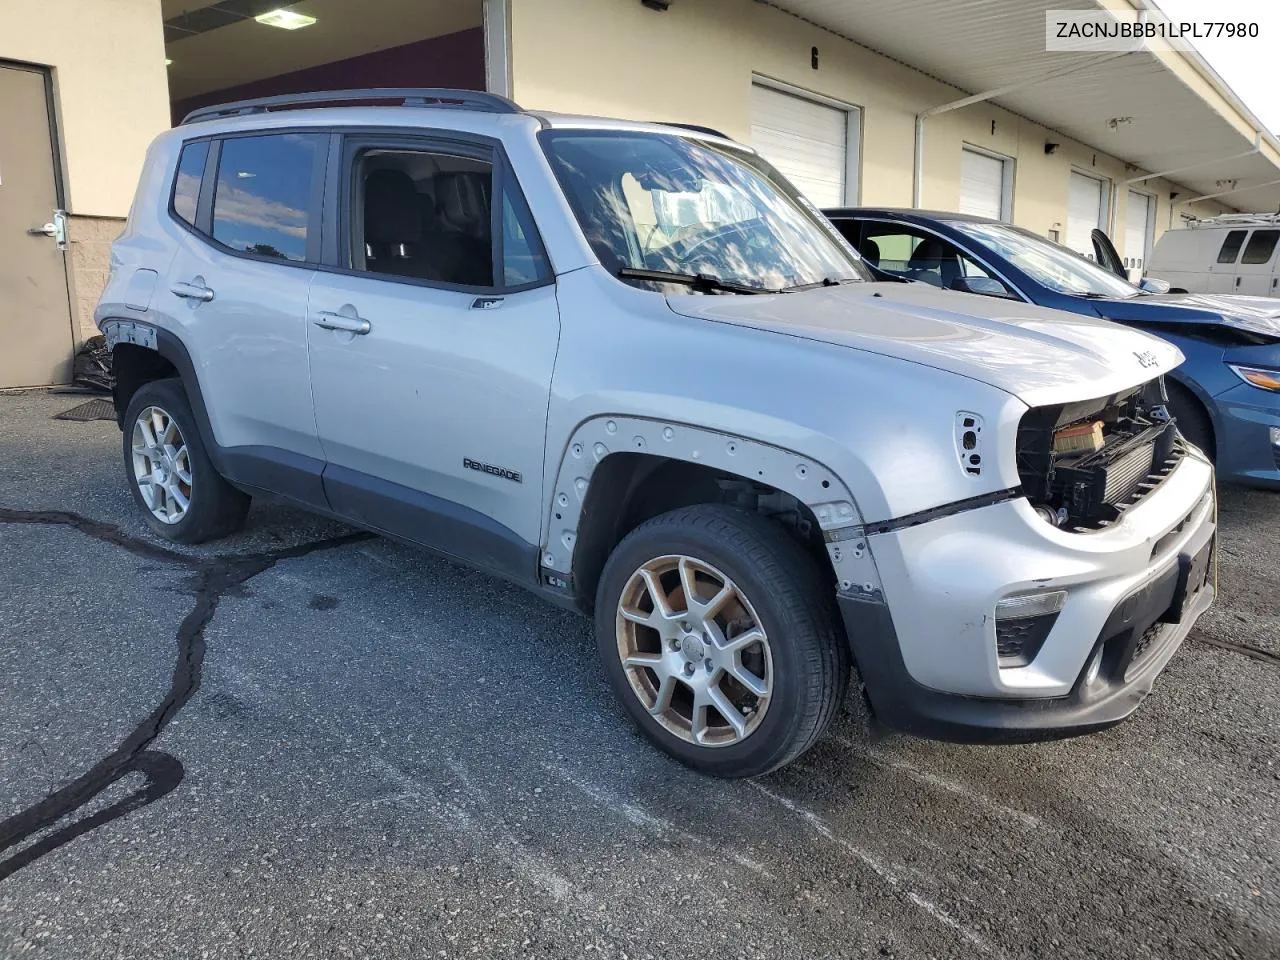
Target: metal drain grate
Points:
(98, 409)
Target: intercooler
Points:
(1090, 489)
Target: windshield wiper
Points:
(824, 282)
(698, 281)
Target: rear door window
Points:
(1260, 247)
(263, 201)
(1231, 246)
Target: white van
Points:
(1232, 253)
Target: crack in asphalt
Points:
(213, 578)
(1244, 649)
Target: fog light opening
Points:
(1023, 622)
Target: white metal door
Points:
(982, 186)
(1084, 212)
(809, 142)
(1137, 234)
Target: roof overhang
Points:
(216, 44)
(1184, 118)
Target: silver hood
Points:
(1040, 356)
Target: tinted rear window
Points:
(1231, 246)
(262, 201)
(186, 184)
(1261, 245)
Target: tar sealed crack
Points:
(212, 578)
(1244, 649)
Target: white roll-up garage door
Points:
(807, 141)
(981, 185)
(1137, 233)
(1084, 213)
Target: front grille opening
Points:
(1019, 640)
(1089, 487)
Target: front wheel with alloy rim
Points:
(719, 637)
(182, 496)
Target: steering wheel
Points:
(723, 233)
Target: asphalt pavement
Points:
(306, 742)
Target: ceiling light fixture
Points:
(285, 19)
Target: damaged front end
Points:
(1082, 464)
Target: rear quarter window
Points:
(186, 182)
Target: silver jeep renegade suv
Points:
(628, 366)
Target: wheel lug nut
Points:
(710, 666)
(684, 625)
(688, 669)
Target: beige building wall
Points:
(695, 62)
(111, 97)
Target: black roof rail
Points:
(408, 96)
(698, 128)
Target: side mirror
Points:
(983, 286)
(1152, 285)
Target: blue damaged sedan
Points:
(1226, 397)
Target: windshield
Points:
(666, 202)
(1048, 263)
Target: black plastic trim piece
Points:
(276, 471)
(430, 521)
(169, 346)
(946, 510)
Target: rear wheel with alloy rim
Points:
(181, 493)
(719, 637)
(161, 465)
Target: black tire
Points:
(215, 508)
(794, 604)
(1193, 419)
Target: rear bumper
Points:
(1140, 635)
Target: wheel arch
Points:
(1197, 394)
(141, 353)
(615, 472)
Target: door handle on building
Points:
(192, 291)
(55, 228)
(340, 321)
